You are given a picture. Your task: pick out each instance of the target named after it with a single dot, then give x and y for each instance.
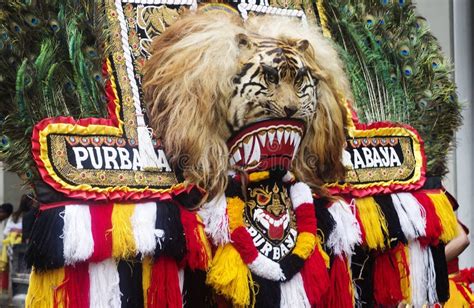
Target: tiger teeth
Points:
(248, 142)
(287, 135)
(237, 157)
(262, 136)
(292, 137)
(255, 158)
(280, 134)
(271, 136)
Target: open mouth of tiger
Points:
(274, 225)
(267, 144)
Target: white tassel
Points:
(214, 218)
(266, 268)
(431, 278)
(143, 223)
(77, 234)
(293, 294)
(418, 273)
(104, 285)
(346, 234)
(414, 210)
(148, 156)
(408, 228)
(181, 279)
(300, 193)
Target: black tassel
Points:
(326, 223)
(45, 249)
(395, 231)
(362, 263)
(441, 268)
(173, 242)
(291, 265)
(268, 292)
(130, 273)
(196, 293)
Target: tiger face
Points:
(273, 82)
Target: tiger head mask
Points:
(209, 76)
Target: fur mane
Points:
(188, 83)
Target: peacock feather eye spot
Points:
(435, 65)
(98, 77)
(404, 51)
(381, 21)
(402, 2)
(2, 45)
(29, 174)
(69, 86)
(369, 20)
(407, 71)
(54, 26)
(5, 141)
(15, 27)
(33, 21)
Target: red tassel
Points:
(164, 289)
(244, 244)
(315, 278)
(433, 224)
(76, 287)
(196, 256)
(387, 288)
(101, 218)
(306, 218)
(339, 294)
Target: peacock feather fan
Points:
(50, 65)
(397, 71)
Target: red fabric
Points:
(243, 242)
(315, 278)
(453, 266)
(306, 218)
(164, 289)
(101, 225)
(196, 256)
(76, 286)
(433, 223)
(387, 288)
(339, 293)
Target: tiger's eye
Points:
(271, 74)
(302, 71)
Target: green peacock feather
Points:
(397, 71)
(50, 65)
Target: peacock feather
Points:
(397, 70)
(50, 65)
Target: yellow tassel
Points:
(404, 274)
(235, 212)
(323, 18)
(123, 241)
(231, 277)
(204, 241)
(147, 264)
(45, 289)
(325, 256)
(446, 215)
(305, 243)
(259, 176)
(373, 221)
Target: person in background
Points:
(459, 280)
(15, 221)
(6, 210)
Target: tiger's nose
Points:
(290, 110)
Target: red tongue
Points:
(275, 233)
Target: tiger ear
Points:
(243, 41)
(302, 45)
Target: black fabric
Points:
(362, 263)
(27, 224)
(46, 194)
(432, 182)
(268, 292)
(234, 189)
(326, 223)
(441, 268)
(196, 293)
(130, 273)
(395, 232)
(191, 199)
(173, 242)
(291, 265)
(45, 249)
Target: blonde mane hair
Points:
(188, 84)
